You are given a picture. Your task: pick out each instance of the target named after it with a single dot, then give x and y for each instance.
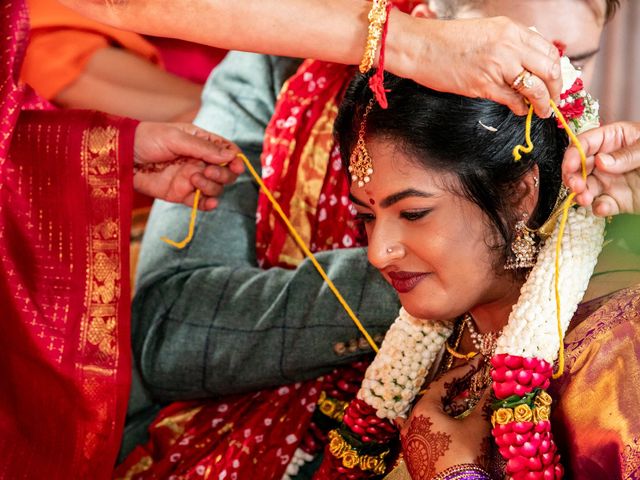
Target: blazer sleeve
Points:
(207, 320)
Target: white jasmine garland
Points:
(569, 73)
(399, 369)
(532, 327)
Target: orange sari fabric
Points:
(64, 205)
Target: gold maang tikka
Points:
(360, 164)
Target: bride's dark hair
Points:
(471, 138)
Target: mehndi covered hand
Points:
(432, 441)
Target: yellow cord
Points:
(192, 226)
(308, 252)
(527, 136)
(461, 356)
(297, 238)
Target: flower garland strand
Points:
(526, 350)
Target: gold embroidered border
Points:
(100, 326)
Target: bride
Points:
(456, 226)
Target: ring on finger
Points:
(524, 80)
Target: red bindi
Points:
(372, 201)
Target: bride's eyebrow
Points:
(356, 201)
(409, 192)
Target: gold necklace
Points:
(485, 343)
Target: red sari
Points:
(64, 205)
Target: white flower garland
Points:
(532, 327)
(399, 369)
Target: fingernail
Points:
(555, 70)
(607, 160)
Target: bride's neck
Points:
(493, 316)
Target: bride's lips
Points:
(404, 282)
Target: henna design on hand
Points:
(422, 448)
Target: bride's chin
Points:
(423, 313)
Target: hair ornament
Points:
(487, 127)
(360, 164)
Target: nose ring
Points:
(390, 250)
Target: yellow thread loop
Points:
(527, 136)
(308, 253)
(192, 225)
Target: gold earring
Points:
(524, 247)
(360, 164)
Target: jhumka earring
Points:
(524, 247)
(360, 164)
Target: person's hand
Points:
(172, 160)
(432, 441)
(613, 167)
(483, 57)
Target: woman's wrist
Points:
(407, 45)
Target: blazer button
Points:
(363, 344)
(339, 348)
(352, 345)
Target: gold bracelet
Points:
(377, 18)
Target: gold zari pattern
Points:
(341, 449)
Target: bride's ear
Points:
(527, 191)
(424, 10)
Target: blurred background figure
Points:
(79, 63)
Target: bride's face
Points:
(431, 244)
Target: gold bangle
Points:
(377, 18)
(350, 458)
